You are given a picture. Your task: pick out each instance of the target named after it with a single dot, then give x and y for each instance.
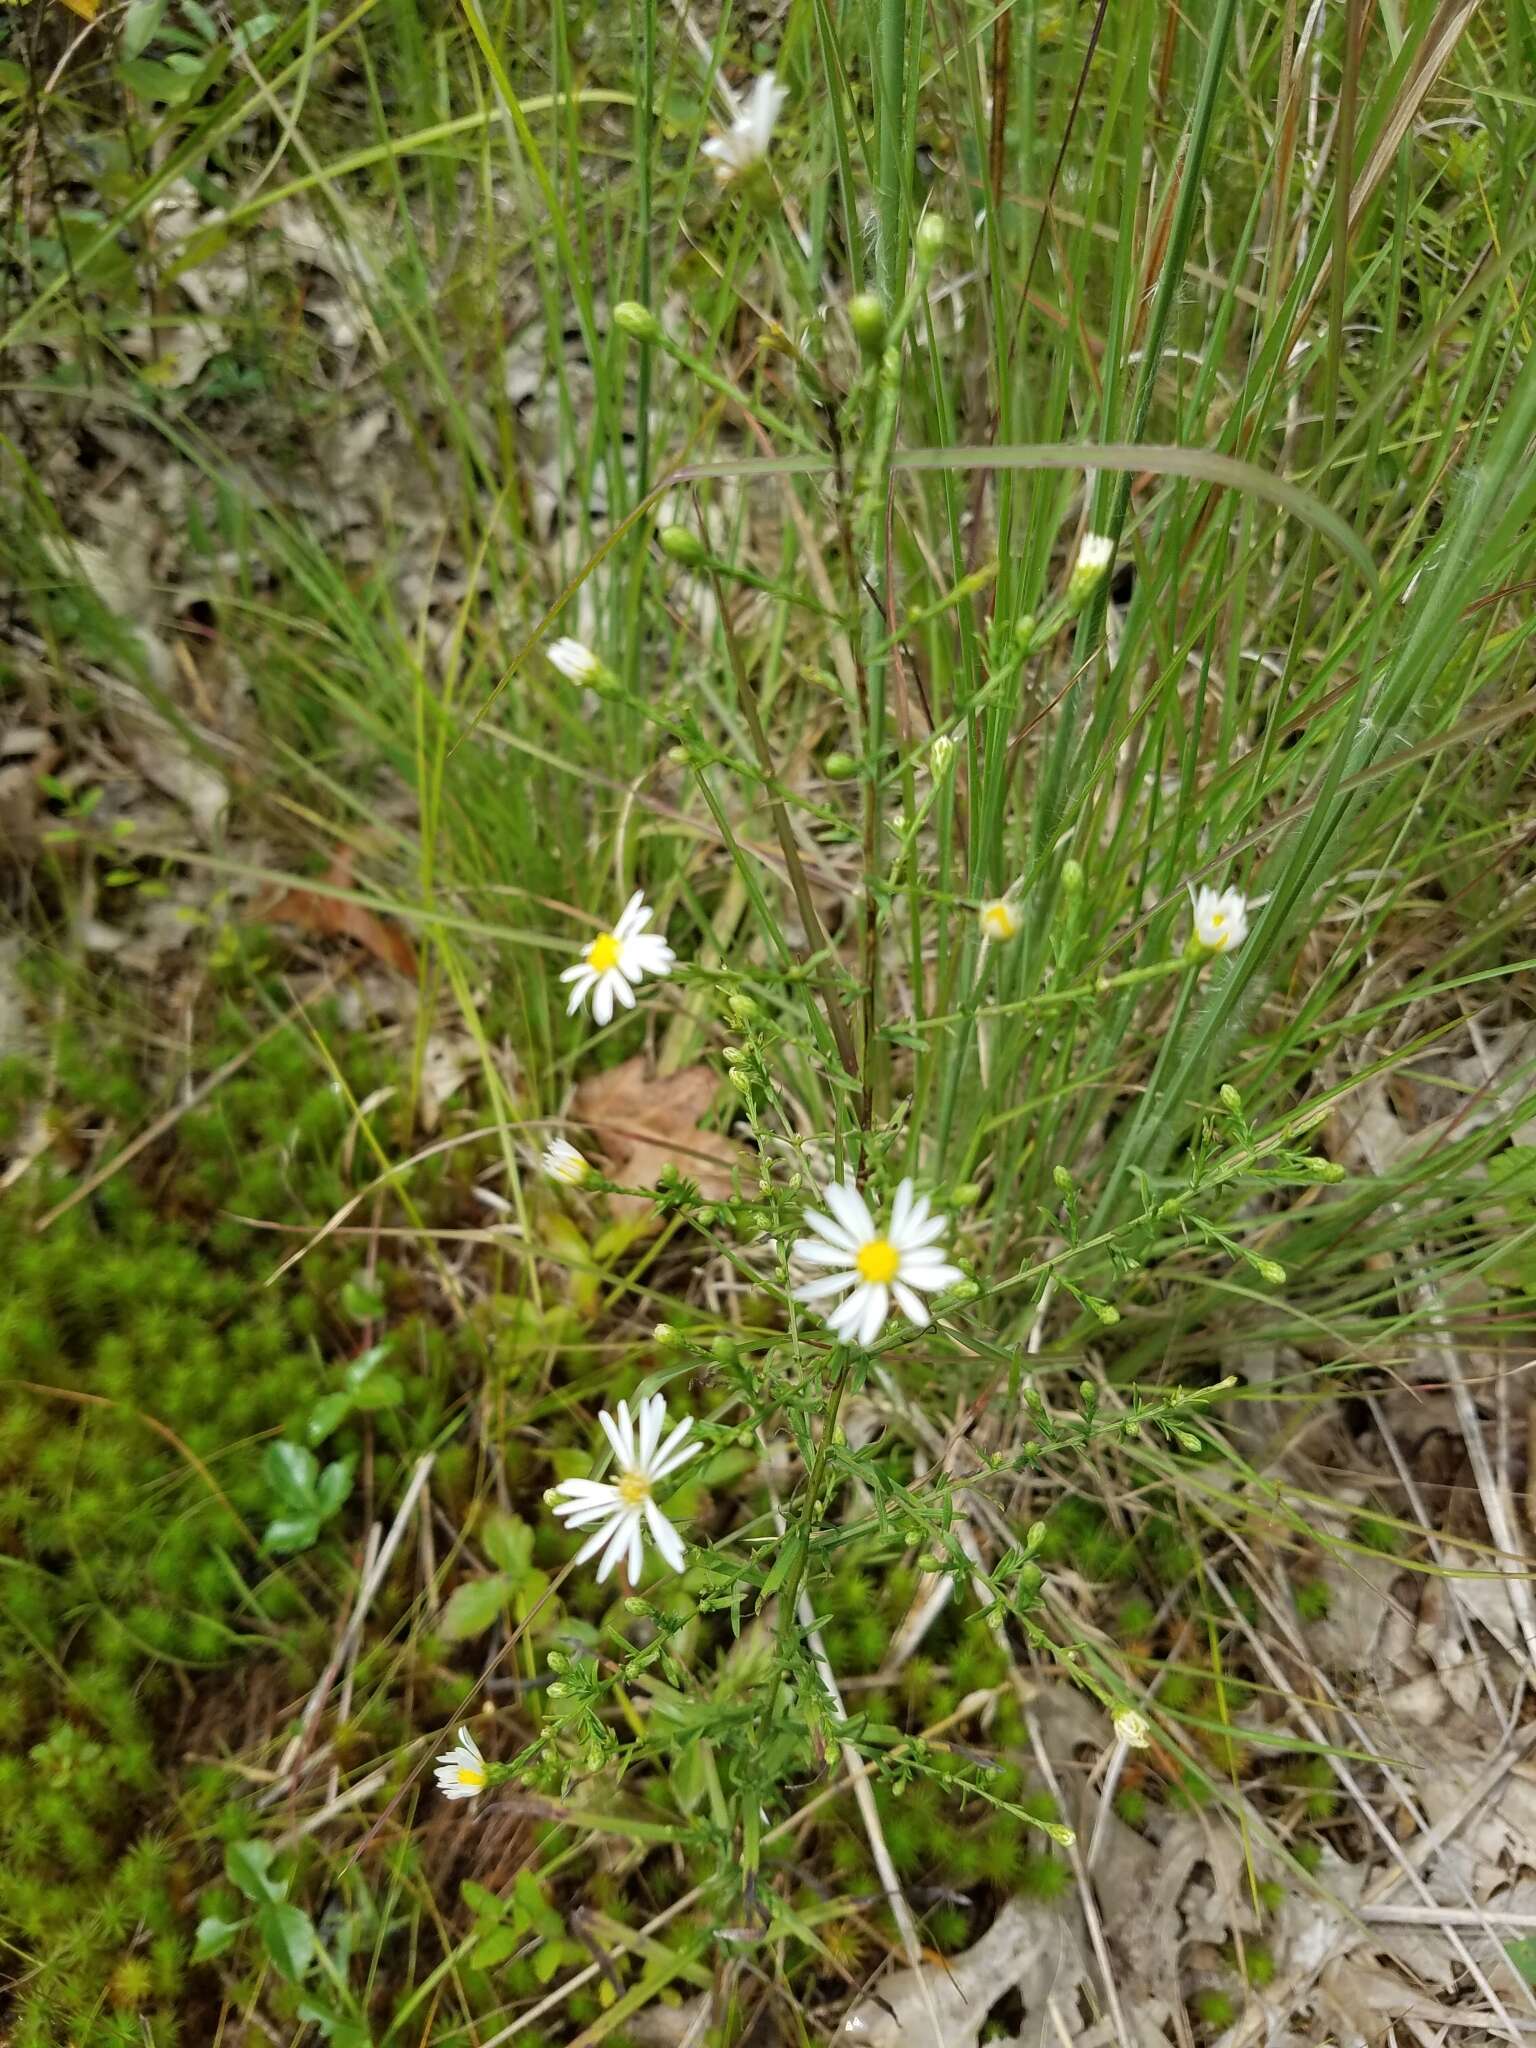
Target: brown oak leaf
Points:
(644, 1122)
(330, 917)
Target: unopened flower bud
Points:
(1326, 1170)
(1095, 558)
(1271, 1271)
(1065, 1183)
(839, 767)
(942, 756)
(637, 321)
(1072, 877)
(929, 240)
(967, 1195)
(867, 318)
(679, 545)
(665, 1334)
(1230, 1099)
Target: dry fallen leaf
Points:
(330, 917)
(644, 1122)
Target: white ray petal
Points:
(850, 1209)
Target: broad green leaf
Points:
(291, 1532)
(290, 1471)
(335, 1485)
(508, 1542)
(328, 1413)
(248, 1866)
(139, 24)
(1522, 1954)
(500, 1943)
(485, 1904)
(213, 1937)
(474, 1606)
(288, 1937)
(364, 1366)
(382, 1390)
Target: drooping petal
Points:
(930, 1276)
(625, 1528)
(810, 1251)
(845, 1318)
(665, 1537)
(653, 1413)
(901, 1208)
(831, 1230)
(676, 1450)
(621, 988)
(602, 1000)
(851, 1210)
(876, 1310)
(595, 1542)
(909, 1304)
(633, 916)
(636, 1562)
(917, 1235)
(823, 1289)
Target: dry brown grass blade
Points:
(1446, 30)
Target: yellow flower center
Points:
(879, 1261)
(634, 1488)
(603, 953)
(471, 1775)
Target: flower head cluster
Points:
(872, 1268)
(745, 143)
(1221, 918)
(461, 1770)
(620, 1511)
(616, 962)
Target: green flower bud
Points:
(1327, 1170)
(1106, 1311)
(839, 767)
(664, 1334)
(1065, 1183)
(740, 1078)
(964, 1290)
(743, 1009)
(1230, 1099)
(929, 240)
(1271, 1271)
(637, 321)
(1072, 877)
(867, 318)
(679, 545)
(967, 1195)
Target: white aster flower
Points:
(745, 142)
(616, 962)
(575, 660)
(999, 920)
(623, 1509)
(562, 1161)
(461, 1770)
(902, 1261)
(1221, 918)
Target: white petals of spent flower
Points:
(1221, 918)
(615, 963)
(873, 1267)
(575, 660)
(1133, 1729)
(461, 1770)
(999, 920)
(622, 1511)
(745, 142)
(563, 1162)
